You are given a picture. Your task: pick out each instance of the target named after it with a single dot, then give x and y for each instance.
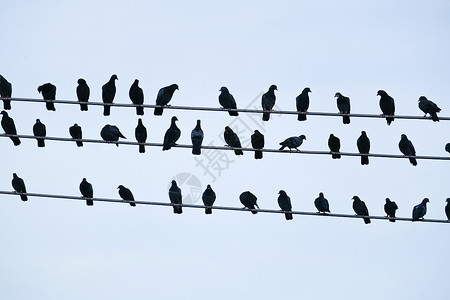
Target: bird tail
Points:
(15, 140)
(413, 161)
(177, 210)
(282, 147)
(83, 107)
(79, 143)
(434, 117)
(158, 111)
(266, 116)
(89, 202)
(233, 113)
(41, 142)
(258, 154)
(392, 220)
(196, 150)
(208, 210)
(288, 216)
(50, 105)
(336, 156)
(346, 119)
(238, 152)
(7, 104)
(301, 117)
(132, 203)
(106, 110)
(23, 197)
(367, 220)
(364, 160)
(139, 110)
(254, 212)
(166, 147)
(141, 149)
(389, 120)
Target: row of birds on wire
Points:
(247, 198)
(226, 100)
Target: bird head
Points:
(120, 187)
(403, 136)
(208, 186)
(81, 81)
(114, 77)
(355, 198)
(14, 175)
(282, 192)
(40, 88)
(448, 200)
(273, 87)
(425, 201)
(320, 194)
(4, 113)
(223, 89)
(84, 179)
(174, 118)
(388, 200)
(198, 122)
(307, 90)
(363, 133)
(422, 98)
(38, 121)
(381, 93)
(136, 81)
(337, 95)
(302, 137)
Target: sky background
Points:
(56, 249)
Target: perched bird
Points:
(334, 143)
(141, 135)
(387, 106)
(302, 102)
(389, 208)
(232, 140)
(9, 127)
(83, 93)
(343, 104)
(447, 147)
(48, 92)
(227, 101)
(126, 195)
(175, 197)
(172, 135)
(249, 201)
(5, 92)
(293, 142)
(407, 148)
(322, 204)
(363, 144)
(137, 97)
(108, 94)
(19, 186)
(208, 197)
(268, 102)
(110, 134)
(75, 133)
(447, 208)
(284, 202)
(39, 132)
(420, 210)
(87, 192)
(197, 139)
(257, 139)
(360, 208)
(164, 96)
(429, 107)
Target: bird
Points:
(429, 107)
(389, 208)
(293, 142)
(164, 96)
(208, 197)
(257, 139)
(321, 203)
(447, 147)
(232, 140)
(268, 102)
(108, 94)
(343, 104)
(420, 210)
(172, 135)
(111, 133)
(363, 144)
(83, 93)
(76, 133)
(175, 197)
(447, 208)
(141, 135)
(334, 143)
(407, 148)
(39, 132)
(126, 195)
(48, 92)
(387, 106)
(302, 102)
(137, 97)
(249, 201)
(197, 139)
(284, 202)
(19, 186)
(360, 208)
(226, 100)
(9, 127)
(87, 192)
(5, 92)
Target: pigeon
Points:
(164, 96)
(39, 132)
(447, 208)
(420, 210)
(197, 139)
(87, 192)
(363, 144)
(48, 92)
(257, 139)
(175, 197)
(232, 140)
(302, 102)
(268, 102)
(249, 201)
(172, 135)
(334, 143)
(110, 134)
(343, 104)
(19, 186)
(284, 202)
(387, 106)
(360, 208)
(208, 197)
(407, 148)
(389, 208)
(5, 92)
(429, 107)
(447, 147)
(75, 133)
(126, 195)
(137, 97)
(83, 93)
(293, 142)
(108, 94)
(227, 101)
(141, 135)
(322, 204)
(9, 127)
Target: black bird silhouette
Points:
(108, 94)
(268, 102)
(126, 195)
(232, 140)
(137, 97)
(197, 139)
(302, 102)
(420, 210)
(164, 96)
(19, 186)
(208, 197)
(407, 148)
(141, 135)
(321, 203)
(48, 92)
(387, 106)
(293, 142)
(257, 139)
(363, 144)
(226, 100)
(39, 132)
(83, 93)
(175, 197)
(9, 127)
(429, 107)
(172, 135)
(447, 208)
(284, 202)
(389, 208)
(360, 208)
(87, 192)
(334, 143)
(111, 133)
(5, 92)
(447, 147)
(76, 133)
(249, 201)
(343, 104)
